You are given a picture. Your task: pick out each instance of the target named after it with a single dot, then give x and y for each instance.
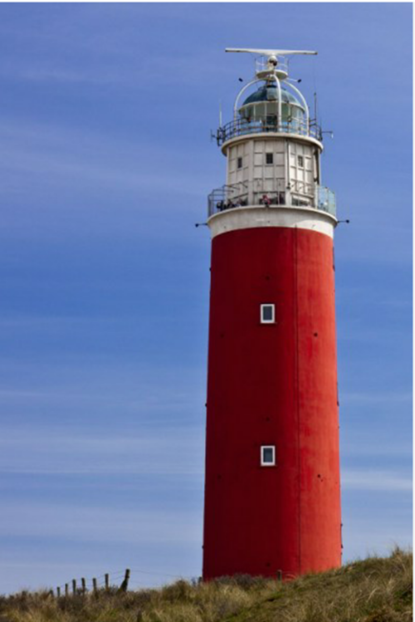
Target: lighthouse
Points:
(272, 483)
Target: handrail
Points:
(228, 197)
(241, 127)
(326, 200)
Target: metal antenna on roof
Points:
(270, 52)
(273, 67)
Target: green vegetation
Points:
(373, 590)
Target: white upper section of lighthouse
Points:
(273, 151)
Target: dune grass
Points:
(372, 590)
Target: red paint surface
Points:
(272, 385)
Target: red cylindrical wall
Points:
(272, 384)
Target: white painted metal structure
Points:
(273, 152)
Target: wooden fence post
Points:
(74, 586)
(83, 582)
(94, 586)
(124, 584)
(58, 592)
(279, 575)
(107, 581)
(66, 589)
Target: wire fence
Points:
(119, 580)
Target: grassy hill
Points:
(373, 590)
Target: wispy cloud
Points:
(57, 154)
(371, 480)
(363, 537)
(88, 53)
(174, 451)
(368, 447)
(100, 524)
(376, 397)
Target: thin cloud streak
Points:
(375, 481)
(376, 397)
(176, 452)
(367, 447)
(100, 524)
(61, 154)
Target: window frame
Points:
(267, 304)
(300, 161)
(274, 456)
(240, 160)
(269, 153)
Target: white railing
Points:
(241, 127)
(326, 200)
(297, 195)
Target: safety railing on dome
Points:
(242, 127)
(298, 195)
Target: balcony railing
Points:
(241, 127)
(298, 194)
(326, 200)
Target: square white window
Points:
(267, 314)
(268, 455)
(301, 161)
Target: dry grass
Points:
(373, 590)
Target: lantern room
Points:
(268, 104)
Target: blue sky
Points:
(105, 165)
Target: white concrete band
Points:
(300, 138)
(256, 217)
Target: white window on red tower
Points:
(267, 313)
(268, 455)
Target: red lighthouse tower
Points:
(272, 493)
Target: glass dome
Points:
(262, 105)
